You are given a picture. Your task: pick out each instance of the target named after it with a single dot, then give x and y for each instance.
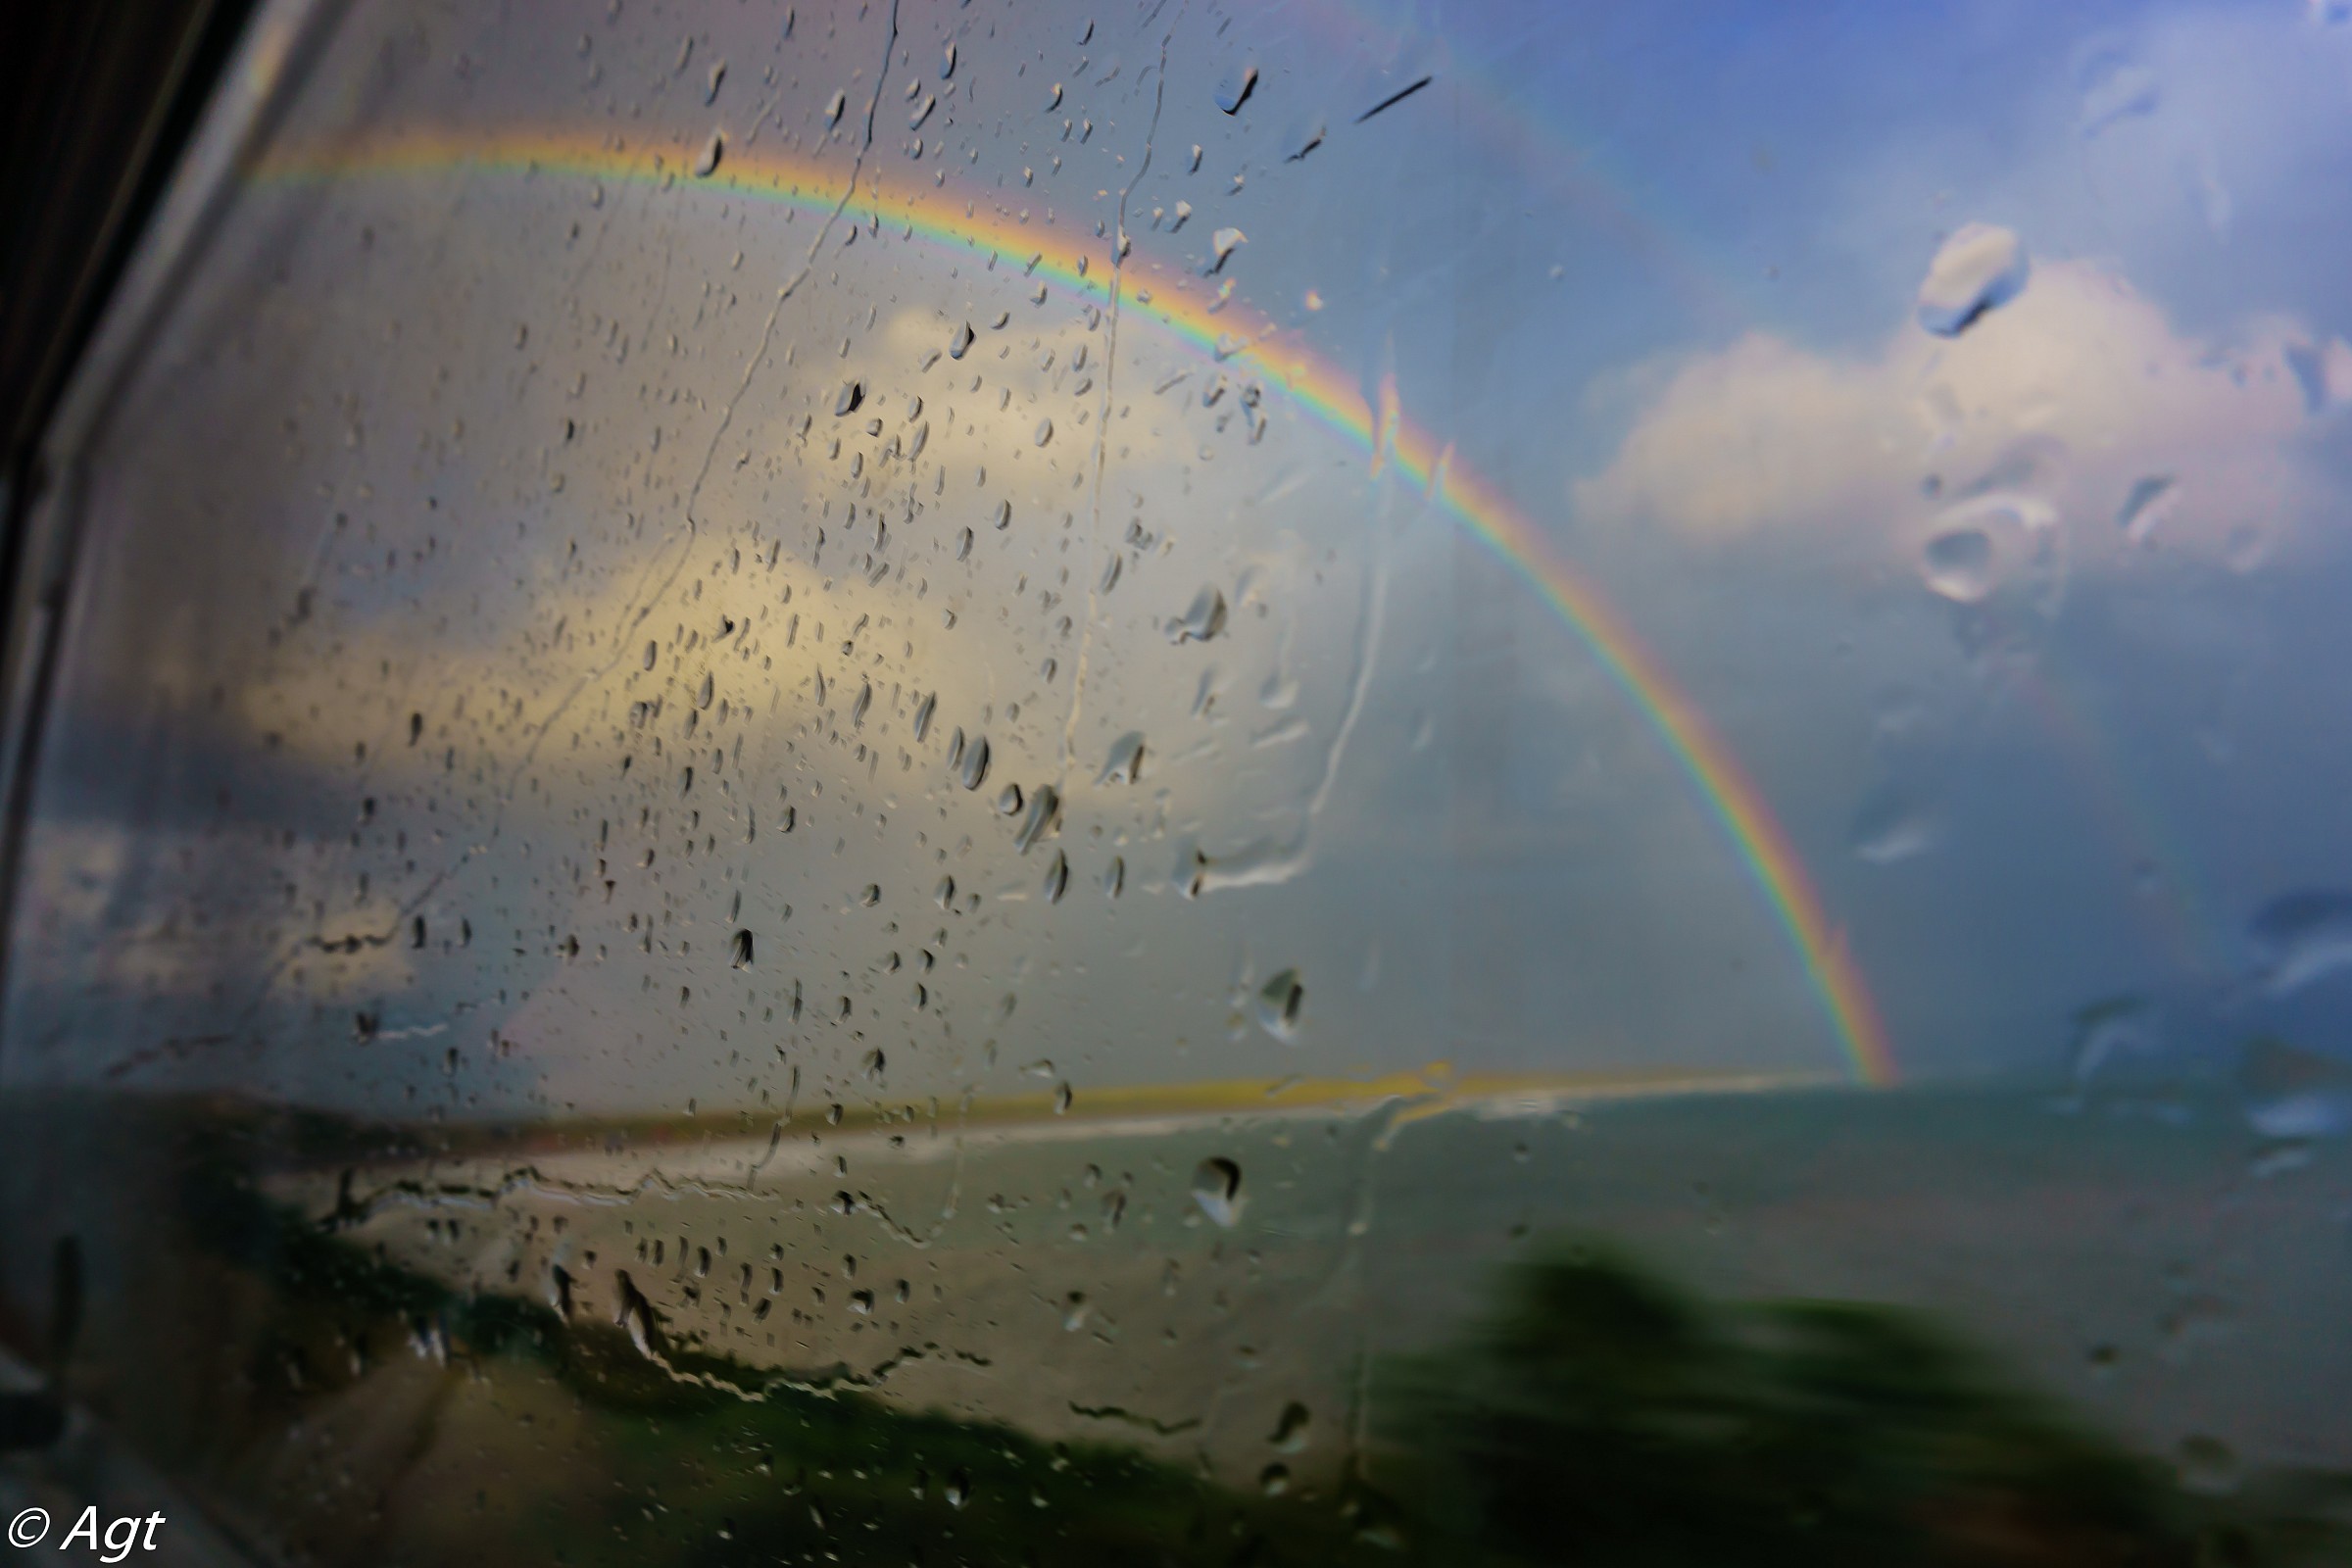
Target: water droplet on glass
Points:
(1203, 619)
(743, 949)
(1279, 1002)
(705, 164)
(960, 340)
(946, 61)
(853, 393)
(1003, 514)
(1045, 804)
(2299, 937)
(1892, 825)
(975, 764)
(1126, 763)
(1958, 565)
(1980, 269)
(2310, 369)
(1057, 877)
(704, 692)
(2292, 1093)
(637, 1316)
(2112, 1035)
(1235, 87)
(2144, 508)
(840, 102)
(1290, 1430)
(1274, 1480)
(1009, 799)
(922, 716)
(1222, 243)
(1045, 432)
(1218, 1189)
(2114, 87)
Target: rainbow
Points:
(1028, 241)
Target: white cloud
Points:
(2076, 396)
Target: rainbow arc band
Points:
(956, 223)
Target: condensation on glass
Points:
(1198, 782)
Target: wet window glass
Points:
(1202, 783)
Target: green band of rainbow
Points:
(947, 218)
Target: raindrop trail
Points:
(1393, 99)
(1323, 393)
(1370, 622)
(1111, 374)
(640, 603)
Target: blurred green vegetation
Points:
(1596, 1414)
(1602, 1415)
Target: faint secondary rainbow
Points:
(1026, 238)
(1571, 164)
(2143, 837)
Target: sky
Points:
(533, 563)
